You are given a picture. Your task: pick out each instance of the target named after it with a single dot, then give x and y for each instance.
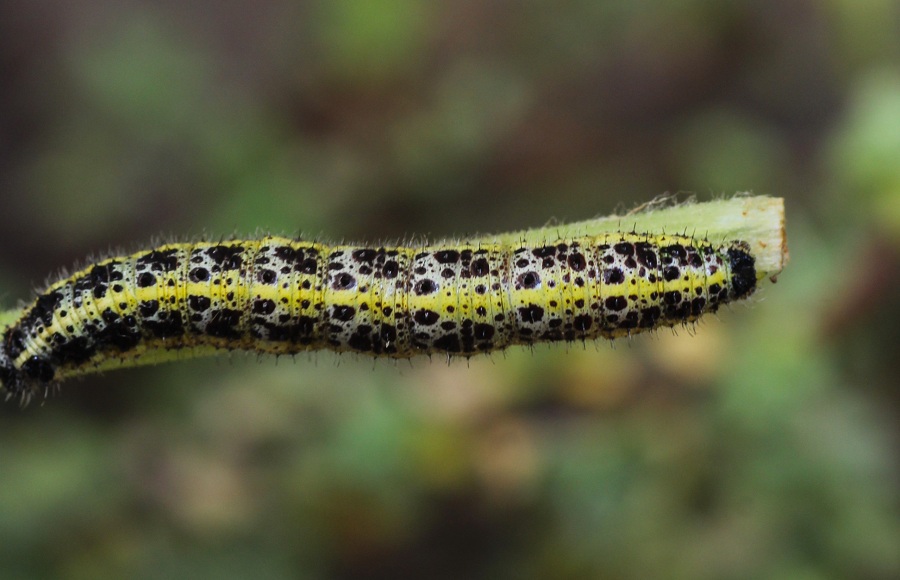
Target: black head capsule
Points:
(743, 270)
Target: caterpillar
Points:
(283, 296)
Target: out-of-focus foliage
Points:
(762, 443)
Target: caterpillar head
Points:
(743, 270)
(10, 378)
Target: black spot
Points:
(264, 307)
(45, 306)
(531, 313)
(645, 254)
(343, 281)
(75, 351)
(649, 316)
(148, 308)
(146, 280)
(545, 252)
(743, 270)
(166, 327)
(364, 255)
(671, 273)
(425, 286)
(160, 260)
(343, 313)
(529, 280)
(288, 254)
(99, 278)
(447, 256)
(577, 262)
(676, 251)
(673, 297)
(224, 323)
(199, 303)
(198, 275)
(360, 342)
(82, 284)
(120, 334)
(302, 331)
(697, 305)
(624, 248)
(480, 267)
(582, 322)
(267, 276)
(613, 276)
(616, 303)
(426, 317)
(388, 333)
(630, 321)
(481, 311)
(115, 275)
(227, 257)
(390, 269)
(448, 343)
(483, 331)
(308, 266)
(448, 325)
(682, 311)
(548, 263)
(694, 259)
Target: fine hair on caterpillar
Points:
(283, 296)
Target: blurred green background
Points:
(765, 443)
